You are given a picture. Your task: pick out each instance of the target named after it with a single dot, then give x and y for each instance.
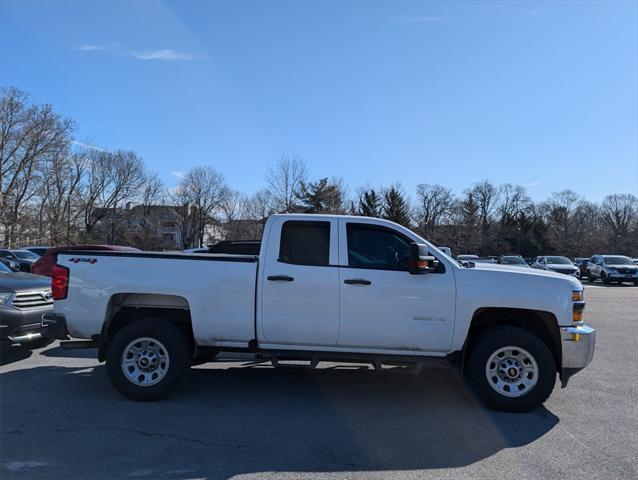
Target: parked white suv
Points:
(324, 287)
(556, 264)
(612, 268)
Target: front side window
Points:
(305, 243)
(375, 247)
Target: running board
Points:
(275, 360)
(79, 344)
(377, 361)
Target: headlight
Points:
(578, 307)
(612, 269)
(5, 297)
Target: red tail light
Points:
(59, 282)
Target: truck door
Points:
(300, 283)
(383, 306)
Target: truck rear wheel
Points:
(147, 359)
(511, 369)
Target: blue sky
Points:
(540, 94)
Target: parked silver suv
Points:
(612, 268)
(24, 298)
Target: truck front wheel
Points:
(146, 359)
(511, 369)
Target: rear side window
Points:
(305, 243)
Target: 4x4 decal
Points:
(82, 259)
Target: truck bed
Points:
(218, 288)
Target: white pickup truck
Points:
(323, 287)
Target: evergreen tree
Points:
(370, 204)
(321, 197)
(395, 207)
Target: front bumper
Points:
(54, 327)
(21, 326)
(579, 343)
(627, 277)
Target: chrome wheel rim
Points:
(145, 362)
(512, 371)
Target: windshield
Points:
(559, 261)
(25, 254)
(618, 261)
(513, 261)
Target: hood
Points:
(529, 272)
(623, 267)
(20, 281)
(561, 266)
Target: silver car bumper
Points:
(579, 343)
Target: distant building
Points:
(150, 227)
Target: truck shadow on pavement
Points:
(250, 419)
(12, 353)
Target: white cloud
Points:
(90, 48)
(426, 19)
(89, 146)
(532, 184)
(178, 173)
(167, 54)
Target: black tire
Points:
(635, 283)
(590, 279)
(505, 336)
(176, 345)
(604, 278)
(204, 355)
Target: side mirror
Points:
(420, 261)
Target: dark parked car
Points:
(12, 261)
(46, 262)
(557, 264)
(26, 256)
(38, 250)
(515, 260)
(612, 268)
(581, 264)
(24, 298)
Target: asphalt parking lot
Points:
(61, 419)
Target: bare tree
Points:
(113, 179)
(198, 199)
(513, 200)
(485, 194)
(558, 212)
(28, 135)
(434, 203)
(60, 206)
(145, 222)
(284, 181)
(620, 214)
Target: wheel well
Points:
(542, 324)
(126, 308)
